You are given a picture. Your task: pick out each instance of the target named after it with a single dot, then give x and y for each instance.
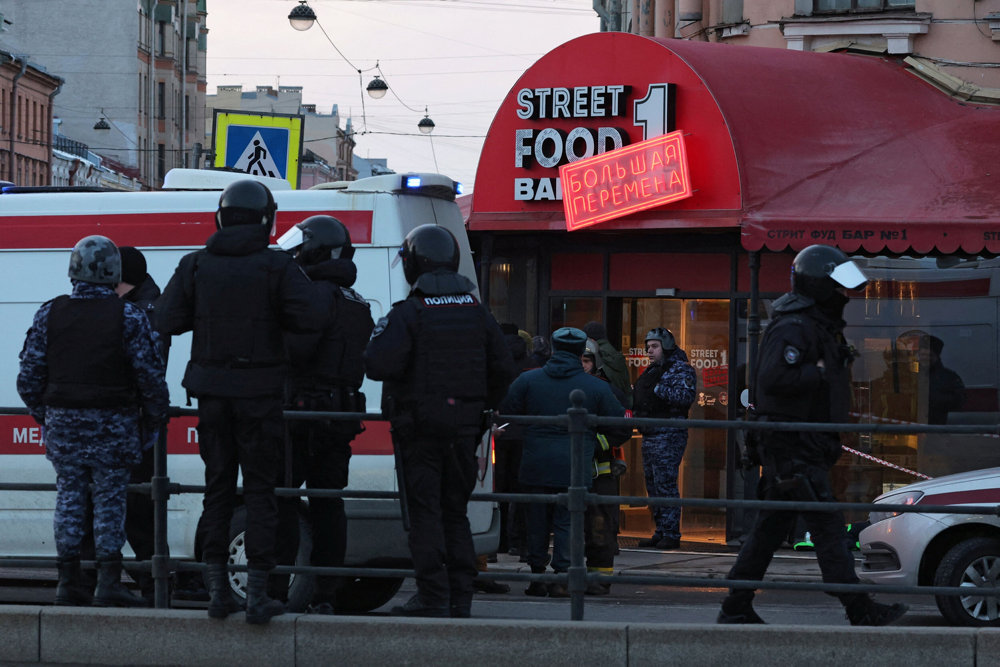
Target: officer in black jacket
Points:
(238, 297)
(326, 375)
(443, 360)
(804, 375)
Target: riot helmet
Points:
(245, 202)
(817, 272)
(594, 352)
(317, 239)
(95, 259)
(426, 248)
(665, 337)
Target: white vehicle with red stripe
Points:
(911, 549)
(37, 231)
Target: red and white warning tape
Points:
(887, 420)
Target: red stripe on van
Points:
(147, 229)
(19, 434)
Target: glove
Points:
(618, 467)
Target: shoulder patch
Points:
(380, 326)
(792, 355)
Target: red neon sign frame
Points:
(635, 178)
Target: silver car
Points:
(910, 549)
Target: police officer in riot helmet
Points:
(803, 375)
(443, 361)
(325, 375)
(93, 378)
(239, 296)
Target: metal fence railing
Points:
(577, 421)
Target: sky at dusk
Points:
(457, 58)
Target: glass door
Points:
(701, 328)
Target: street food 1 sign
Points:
(261, 144)
(610, 185)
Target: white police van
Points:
(37, 230)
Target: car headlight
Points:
(901, 498)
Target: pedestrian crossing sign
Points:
(262, 144)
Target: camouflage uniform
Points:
(663, 448)
(94, 445)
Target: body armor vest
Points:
(449, 387)
(88, 367)
(645, 403)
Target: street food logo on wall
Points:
(553, 146)
(645, 175)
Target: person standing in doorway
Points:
(665, 390)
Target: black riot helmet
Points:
(245, 202)
(317, 239)
(665, 337)
(426, 248)
(817, 271)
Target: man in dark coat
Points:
(803, 375)
(545, 462)
(238, 297)
(443, 362)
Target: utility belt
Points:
(438, 416)
(330, 399)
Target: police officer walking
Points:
(238, 297)
(443, 360)
(326, 375)
(804, 375)
(92, 377)
(665, 390)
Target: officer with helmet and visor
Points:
(803, 375)
(443, 361)
(326, 375)
(665, 390)
(93, 378)
(239, 297)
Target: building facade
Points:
(134, 75)
(954, 44)
(26, 94)
(780, 148)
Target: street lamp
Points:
(302, 16)
(102, 125)
(426, 125)
(377, 88)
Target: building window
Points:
(161, 102)
(161, 161)
(839, 6)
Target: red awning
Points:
(843, 149)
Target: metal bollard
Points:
(576, 503)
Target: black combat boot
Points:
(324, 601)
(260, 608)
(737, 609)
(72, 591)
(220, 602)
(111, 592)
(862, 610)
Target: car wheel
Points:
(300, 586)
(974, 563)
(361, 594)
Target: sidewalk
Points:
(692, 559)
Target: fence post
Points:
(576, 503)
(160, 492)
